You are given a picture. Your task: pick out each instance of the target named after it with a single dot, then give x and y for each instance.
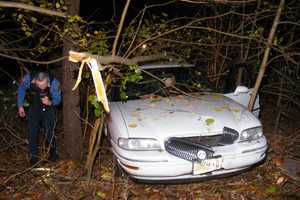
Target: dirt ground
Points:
(66, 180)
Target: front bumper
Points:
(160, 165)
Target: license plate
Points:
(208, 165)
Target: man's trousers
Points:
(45, 118)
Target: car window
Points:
(162, 82)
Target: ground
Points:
(66, 180)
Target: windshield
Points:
(164, 82)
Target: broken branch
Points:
(105, 60)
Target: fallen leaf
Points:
(278, 161)
(225, 106)
(155, 98)
(218, 109)
(134, 114)
(236, 110)
(106, 176)
(280, 180)
(271, 190)
(132, 125)
(100, 194)
(209, 121)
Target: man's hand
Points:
(46, 101)
(21, 112)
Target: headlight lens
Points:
(251, 134)
(139, 144)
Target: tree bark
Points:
(71, 122)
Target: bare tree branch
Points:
(7, 4)
(218, 1)
(33, 61)
(120, 27)
(264, 62)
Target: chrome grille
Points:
(188, 147)
(186, 150)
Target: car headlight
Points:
(251, 134)
(139, 144)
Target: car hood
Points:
(182, 116)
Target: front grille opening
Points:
(229, 136)
(186, 150)
(188, 147)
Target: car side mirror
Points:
(240, 89)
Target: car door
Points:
(242, 95)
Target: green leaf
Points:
(123, 95)
(209, 121)
(57, 5)
(33, 19)
(28, 34)
(92, 99)
(96, 105)
(100, 194)
(97, 112)
(271, 190)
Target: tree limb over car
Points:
(105, 60)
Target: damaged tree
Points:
(71, 110)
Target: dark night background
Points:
(218, 57)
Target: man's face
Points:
(42, 84)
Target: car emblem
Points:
(201, 154)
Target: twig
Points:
(84, 120)
(12, 177)
(9, 129)
(87, 112)
(34, 61)
(120, 27)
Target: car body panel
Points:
(159, 165)
(183, 116)
(180, 116)
(243, 99)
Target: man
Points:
(44, 96)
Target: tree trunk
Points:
(264, 62)
(71, 109)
